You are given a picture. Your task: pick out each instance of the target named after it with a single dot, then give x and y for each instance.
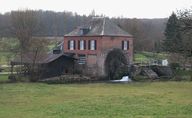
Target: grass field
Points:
(101, 100)
(5, 57)
(12, 43)
(3, 77)
(147, 56)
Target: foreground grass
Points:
(135, 100)
(3, 77)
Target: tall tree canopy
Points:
(185, 19)
(179, 35)
(145, 31)
(173, 41)
(24, 25)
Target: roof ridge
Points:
(103, 29)
(101, 26)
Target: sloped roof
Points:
(100, 27)
(39, 58)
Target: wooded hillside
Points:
(148, 33)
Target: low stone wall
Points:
(162, 71)
(68, 79)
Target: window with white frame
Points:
(92, 45)
(71, 45)
(125, 45)
(82, 44)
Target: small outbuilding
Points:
(45, 64)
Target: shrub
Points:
(175, 66)
(12, 78)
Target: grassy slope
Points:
(12, 43)
(5, 45)
(3, 57)
(136, 100)
(147, 56)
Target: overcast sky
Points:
(111, 8)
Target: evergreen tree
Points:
(173, 42)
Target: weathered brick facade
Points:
(94, 57)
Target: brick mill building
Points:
(92, 42)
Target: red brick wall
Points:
(77, 51)
(116, 42)
(104, 45)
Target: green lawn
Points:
(5, 57)
(3, 77)
(145, 57)
(7, 43)
(135, 100)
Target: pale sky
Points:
(111, 8)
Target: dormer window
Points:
(81, 32)
(84, 31)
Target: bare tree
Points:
(38, 47)
(24, 25)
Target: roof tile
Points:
(100, 26)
